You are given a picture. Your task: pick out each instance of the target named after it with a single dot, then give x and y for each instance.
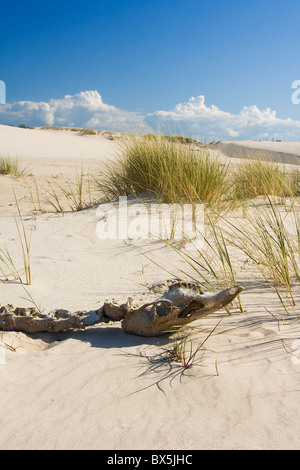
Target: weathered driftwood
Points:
(183, 303)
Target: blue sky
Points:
(145, 57)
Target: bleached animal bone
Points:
(183, 303)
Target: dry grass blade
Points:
(30, 299)
(9, 269)
(73, 192)
(53, 198)
(35, 198)
(211, 264)
(74, 195)
(174, 359)
(268, 243)
(296, 220)
(9, 266)
(7, 346)
(25, 244)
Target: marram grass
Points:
(171, 172)
(11, 166)
(252, 178)
(176, 172)
(7, 263)
(269, 243)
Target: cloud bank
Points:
(197, 119)
(84, 109)
(192, 118)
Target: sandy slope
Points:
(50, 144)
(280, 152)
(50, 157)
(89, 389)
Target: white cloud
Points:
(84, 109)
(203, 122)
(232, 132)
(192, 118)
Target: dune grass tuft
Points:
(11, 166)
(169, 171)
(88, 132)
(252, 178)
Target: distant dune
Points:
(281, 152)
(75, 143)
(52, 143)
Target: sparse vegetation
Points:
(212, 262)
(172, 169)
(8, 265)
(88, 132)
(25, 242)
(257, 177)
(11, 166)
(74, 195)
(180, 351)
(268, 243)
(80, 130)
(175, 173)
(168, 171)
(61, 128)
(294, 181)
(23, 126)
(177, 357)
(177, 139)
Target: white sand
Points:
(51, 144)
(271, 146)
(83, 390)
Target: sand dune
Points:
(280, 152)
(51, 144)
(90, 389)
